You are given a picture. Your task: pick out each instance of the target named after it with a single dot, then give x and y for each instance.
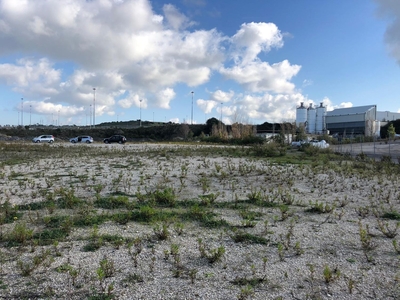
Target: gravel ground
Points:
(299, 248)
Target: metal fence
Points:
(376, 149)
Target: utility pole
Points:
(22, 112)
(140, 120)
(192, 108)
(94, 107)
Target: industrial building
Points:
(311, 118)
(359, 120)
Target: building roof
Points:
(350, 110)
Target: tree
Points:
(391, 131)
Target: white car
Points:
(298, 143)
(320, 144)
(43, 139)
(82, 139)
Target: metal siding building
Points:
(351, 121)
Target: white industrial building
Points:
(359, 120)
(386, 116)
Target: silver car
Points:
(82, 139)
(43, 139)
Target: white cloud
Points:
(252, 38)
(174, 18)
(221, 96)
(128, 52)
(263, 77)
(391, 8)
(330, 106)
(164, 97)
(39, 77)
(206, 106)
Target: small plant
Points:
(320, 208)
(212, 255)
(330, 275)
(366, 238)
(137, 245)
(178, 227)
(208, 199)
(161, 231)
(281, 252)
(386, 230)
(246, 293)
(20, 233)
(107, 267)
(396, 246)
(350, 284)
(165, 197)
(192, 275)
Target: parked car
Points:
(82, 139)
(298, 143)
(120, 139)
(43, 139)
(320, 144)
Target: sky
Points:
(84, 62)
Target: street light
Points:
(94, 107)
(221, 112)
(192, 108)
(140, 120)
(221, 118)
(22, 112)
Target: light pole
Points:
(94, 107)
(90, 115)
(221, 118)
(140, 120)
(221, 112)
(192, 108)
(22, 112)
(30, 115)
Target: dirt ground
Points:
(287, 231)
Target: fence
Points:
(375, 150)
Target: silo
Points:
(301, 115)
(311, 116)
(320, 127)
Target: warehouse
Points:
(359, 120)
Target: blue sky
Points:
(255, 60)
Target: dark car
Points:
(120, 139)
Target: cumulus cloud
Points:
(244, 108)
(252, 38)
(391, 8)
(330, 106)
(222, 96)
(175, 19)
(129, 52)
(263, 77)
(206, 106)
(164, 97)
(32, 74)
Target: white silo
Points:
(301, 115)
(311, 116)
(320, 127)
